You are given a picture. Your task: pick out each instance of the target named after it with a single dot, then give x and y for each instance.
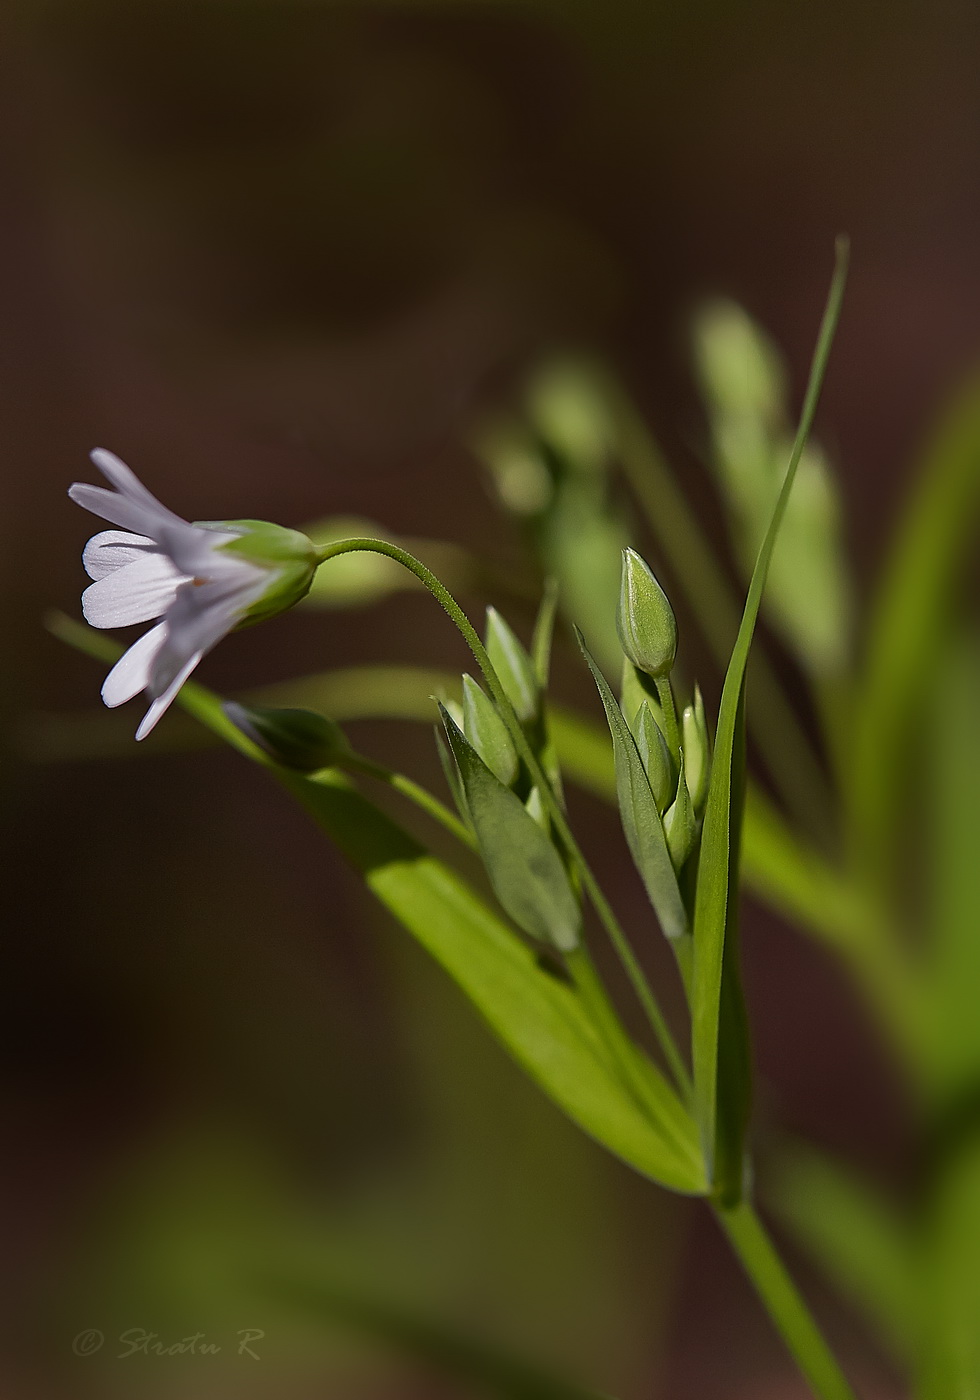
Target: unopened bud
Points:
(534, 806)
(488, 734)
(645, 619)
(680, 823)
(513, 666)
(656, 756)
(299, 739)
(697, 749)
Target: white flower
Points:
(202, 580)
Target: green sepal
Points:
(514, 667)
(525, 869)
(657, 757)
(640, 815)
(534, 806)
(697, 749)
(488, 734)
(644, 619)
(680, 823)
(289, 555)
(299, 739)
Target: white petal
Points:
(164, 701)
(142, 590)
(200, 616)
(119, 510)
(198, 552)
(113, 549)
(132, 671)
(125, 480)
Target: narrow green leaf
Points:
(640, 816)
(717, 890)
(859, 1242)
(538, 1016)
(513, 666)
(525, 869)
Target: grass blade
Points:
(717, 880)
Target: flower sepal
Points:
(289, 555)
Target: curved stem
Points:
(599, 902)
(778, 1292)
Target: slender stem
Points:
(422, 798)
(782, 1301)
(599, 902)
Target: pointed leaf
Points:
(717, 890)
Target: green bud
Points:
(680, 823)
(657, 758)
(645, 619)
(697, 749)
(297, 739)
(289, 555)
(488, 734)
(534, 806)
(513, 666)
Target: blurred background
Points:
(283, 258)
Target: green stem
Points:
(601, 905)
(782, 1302)
(422, 798)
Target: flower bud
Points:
(645, 619)
(299, 739)
(680, 823)
(488, 734)
(657, 759)
(513, 666)
(289, 556)
(697, 749)
(534, 806)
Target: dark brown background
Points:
(279, 256)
